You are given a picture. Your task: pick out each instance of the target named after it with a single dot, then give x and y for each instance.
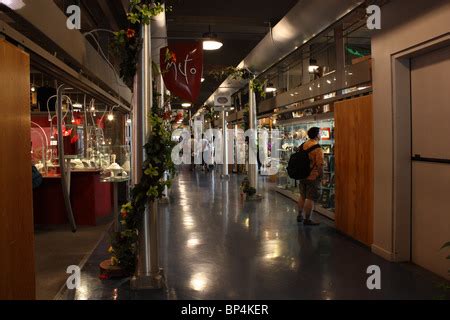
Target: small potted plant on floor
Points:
(246, 189)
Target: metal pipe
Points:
(147, 274)
(161, 103)
(253, 166)
(225, 144)
(62, 164)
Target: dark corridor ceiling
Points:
(240, 25)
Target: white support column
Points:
(225, 174)
(253, 167)
(161, 101)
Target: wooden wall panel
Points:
(17, 272)
(354, 168)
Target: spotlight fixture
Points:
(33, 89)
(313, 66)
(110, 117)
(203, 79)
(210, 41)
(270, 88)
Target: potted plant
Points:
(246, 189)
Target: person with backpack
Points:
(306, 165)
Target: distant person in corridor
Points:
(309, 187)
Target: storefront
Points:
(293, 133)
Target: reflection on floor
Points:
(215, 246)
(56, 248)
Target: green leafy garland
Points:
(158, 149)
(241, 74)
(127, 43)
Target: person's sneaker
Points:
(310, 223)
(300, 218)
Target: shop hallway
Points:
(215, 246)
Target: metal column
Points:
(148, 273)
(161, 101)
(225, 174)
(253, 165)
(64, 163)
(340, 56)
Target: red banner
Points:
(182, 69)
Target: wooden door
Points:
(17, 273)
(354, 168)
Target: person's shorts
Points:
(309, 189)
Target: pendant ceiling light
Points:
(210, 41)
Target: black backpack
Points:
(299, 166)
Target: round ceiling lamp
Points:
(210, 44)
(210, 41)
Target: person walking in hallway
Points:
(309, 187)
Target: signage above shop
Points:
(182, 69)
(223, 100)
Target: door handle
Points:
(419, 158)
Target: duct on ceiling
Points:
(304, 21)
(159, 35)
(75, 45)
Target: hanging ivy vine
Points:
(127, 43)
(241, 74)
(158, 149)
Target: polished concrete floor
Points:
(216, 246)
(56, 248)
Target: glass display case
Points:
(292, 136)
(115, 163)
